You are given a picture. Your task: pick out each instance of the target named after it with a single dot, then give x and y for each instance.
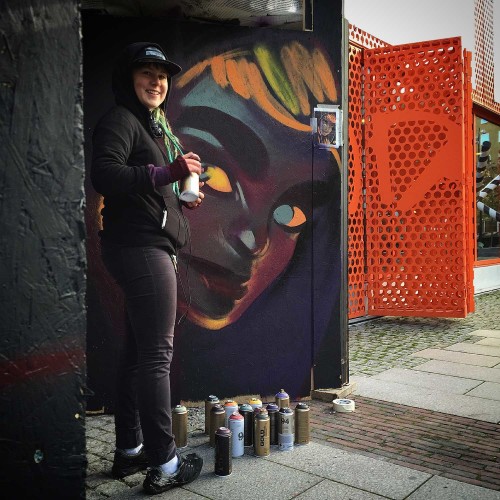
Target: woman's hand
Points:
(193, 162)
(195, 204)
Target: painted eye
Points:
(218, 179)
(289, 216)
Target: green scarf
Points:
(172, 144)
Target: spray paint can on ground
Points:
(237, 428)
(209, 402)
(257, 411)
(302, 433)
(223, 459)
(217, 415)
(261, 434)
(247, 412)
(230, 407)
(255, 403)
(272, 410)
(286, 429)
(179, 425)
(282, 399)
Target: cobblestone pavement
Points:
(382, 343)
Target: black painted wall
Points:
(293, 324)
(42, 251)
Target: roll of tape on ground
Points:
(343, 405)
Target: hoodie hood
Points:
(122, 84)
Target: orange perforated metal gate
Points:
(359, 40)
(417, 180)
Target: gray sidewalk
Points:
(451, 366)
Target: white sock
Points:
(132, 451)
(171, 466)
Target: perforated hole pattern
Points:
(356, 231)
(358, 41)
(415, 216)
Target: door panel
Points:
(417, 180)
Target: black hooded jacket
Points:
(122, 147)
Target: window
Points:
(488, 189)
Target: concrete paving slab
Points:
(454, 404)
(250, 476)
(195, 439)
(447, 489)
(441, 383)
(489, 341)
(458, 357)
(358, 471)
(487, 390)
(326, 490)
(486, 333)
(112, 488)
(175, 493)
(480, 373)
(484, 350)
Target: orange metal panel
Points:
(358, 41)
(416, 216)
(356, 225)
(470, 183)
(361, 38)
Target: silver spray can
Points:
(190, 187)
(286, 429)
(209, 402)
(237, 428)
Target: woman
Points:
(136, 165)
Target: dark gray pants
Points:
(147, 277)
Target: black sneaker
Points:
(157, 481)
(126, 465)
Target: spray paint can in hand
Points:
(302, 434)
(179, 425)
(282, 399)
(247, 412)
(223, 459)
(190, 187)
(261, 434)
(209, 402)
(237, 428)
(230, 407)
(217, 415)
(286, 429)
(272, 410)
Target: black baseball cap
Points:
(154, 54)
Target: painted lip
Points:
(220, 279)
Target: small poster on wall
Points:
(326, 126)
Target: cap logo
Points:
(153, 52)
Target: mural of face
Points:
(247, 114)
